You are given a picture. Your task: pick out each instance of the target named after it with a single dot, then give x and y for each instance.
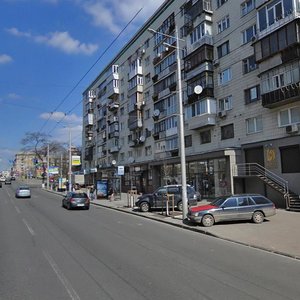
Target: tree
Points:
(37, 143)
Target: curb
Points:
(202, 231)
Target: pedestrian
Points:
(111, 194)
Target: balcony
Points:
(137, 123)
(201, 121)
(282, 96)
(114, 149)
(208, 92)
(114, 106)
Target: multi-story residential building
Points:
(24, 164)
(241, 132)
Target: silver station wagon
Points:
(253, 207)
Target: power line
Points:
(93, 65)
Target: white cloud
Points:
(4, 59)
(59, 40)
(113, 15)
(58, 116)
(14, 96)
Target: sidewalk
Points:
(279, 234)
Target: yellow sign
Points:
(76, 160)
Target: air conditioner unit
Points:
(292, 128)
(222, 114)
(216, 62)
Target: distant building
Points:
(241, 131)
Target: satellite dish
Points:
(198, 89)
(142, 138)
(156, 113)
(113, 162)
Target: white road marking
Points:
(28, 227)
(17, 209)
(72, 293)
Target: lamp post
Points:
(70, 161)
(181, 122)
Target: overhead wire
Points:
(93, 65)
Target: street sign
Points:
(121, 170)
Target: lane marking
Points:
(28, 227)
(17, 209)
(67, 285)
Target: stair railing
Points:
(255, 169)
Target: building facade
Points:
(239, 63)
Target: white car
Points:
(23, 192)
(2, 179)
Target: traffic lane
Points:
(130, 247)
(25, 272)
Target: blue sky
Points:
(46, 47)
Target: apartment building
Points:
(239, 63)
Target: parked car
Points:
(158, 199)
(76, 200)
(253, 207)
(23, 192)
(12, 178)
(2, 179)
(7, 180)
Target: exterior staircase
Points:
(277, 183)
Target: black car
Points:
(76, 200)
(7, 180)
(158, 199)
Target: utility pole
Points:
(70, 161)
(48, 165)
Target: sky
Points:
(47, 48)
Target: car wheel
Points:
(208, 220)
(180, 206)
(144, 207)
(258, 217)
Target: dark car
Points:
(8, 180)
(253, 207)
(158, 199)
(76, 200)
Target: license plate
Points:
(80, 204)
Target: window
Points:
(221, 2)
(223, 49)
(260, 200)
(248, 34)
(231, 202)
(289, 116)
(188, 141)
(252, 94)
(247, 6)
(205, 137)
(225, 103)
(223, 24)
(224, 76)
(227, 132)
(275, 13)
(249, 64)
(254, 125)
(147, 78)
(148, 151)
(278, 81)
(290, 159)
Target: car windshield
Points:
(218, 201)
(24, 188)
(79, 195)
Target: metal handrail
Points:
(255, 169)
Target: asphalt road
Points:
(48, 252)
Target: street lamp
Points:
(181, 122)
